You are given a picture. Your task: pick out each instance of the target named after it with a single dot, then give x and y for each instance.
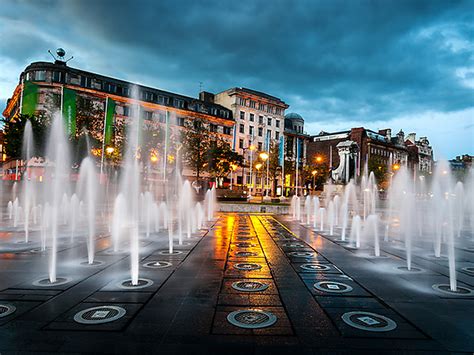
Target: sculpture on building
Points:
(347, 162)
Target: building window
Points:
(162, 118)
(58, 77)
(260, 119)
(260, 131)
(227, 130)
(251, 130)
(147, 115)
(252, 117)
(213, 128)
(181, 121)
(277, 135)
(261, 107)
(126, 111)
(40, 75)
(242, 115)
(241, 143)
(269, 109)
(241, 101)
(269, 121)
(109, 87)
(252, 104)
(178, 103)
(277, 123)
(260, 146)
(241, 128)
(86, 82)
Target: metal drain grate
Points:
(127, 284)
(247, 266)
(98, 315)
(332, 287)
(460, 291)
(251, 318)
(46, 283)
(368, 321)
(157, 264)
(249, 286)
(6, 310)
(315, 267)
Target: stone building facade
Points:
(380, 147)
(259, 120)
(156, 106)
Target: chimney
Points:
(411, 137)
(206, 96)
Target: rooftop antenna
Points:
(200, 86)
(59, 57)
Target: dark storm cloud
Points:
(364, 60)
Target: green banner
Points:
(30, 98)
(109, 121)
(69, 111)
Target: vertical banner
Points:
(68, 106)
(234, 136)
(167, 138)
(281, 151)
(29, 98)
(109, 121)
(267, 141)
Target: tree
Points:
(221, 159)
(14, 130)
(380, 170)
(196, 143)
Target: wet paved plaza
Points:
(249, 284)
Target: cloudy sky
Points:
(403, 64)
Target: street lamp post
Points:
(258, 166)
(264, 156)
(233, 167)
(314, 172)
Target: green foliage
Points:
(13, 134)
(196, 142)
(380, 169)
(221, 158)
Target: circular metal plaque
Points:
(303, 254)
(167, 252)
(46, 283)
(94, 263)
(294, 245)
(405, 269)
(245, 253)
(247, 266)
(469, 269)
(315, 267)
(127, 284)
(245, 245)
(251, 319)
(6, 309)
(332, 287)
(100, 314)
(249, 286)
(157, 264)
(368, 321)
(460, 291)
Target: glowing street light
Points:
(233, 167)
(396, 167)
(319, 159)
